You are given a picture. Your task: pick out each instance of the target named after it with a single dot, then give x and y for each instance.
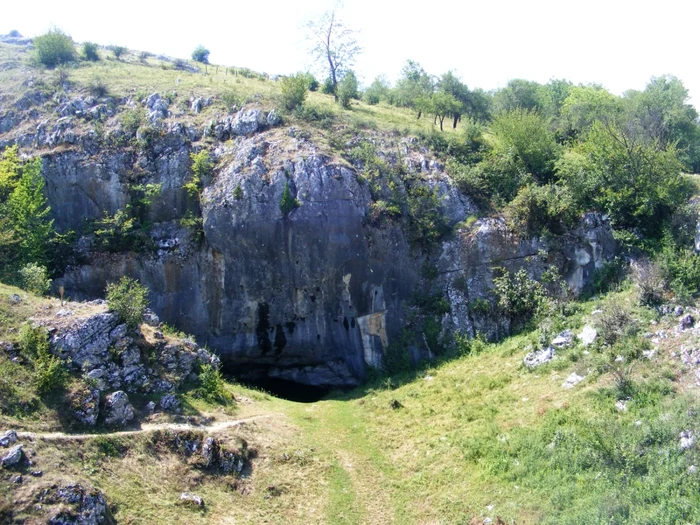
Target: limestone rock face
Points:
(118, 409)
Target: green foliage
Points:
(432, 304)
(377, 92)
(50, 373)
(212, 387)
(195, 223)
(680, 268)
(90, 51)
(120, 232)
(650, 284)
(518, 296)
(294, 89)
(54, 48)
(288, 203)
(35, 279)
(396, 356)
(616, 322)
(98, 87)
(201, 169)
(201, 54)
(347, 89)
(238, 192)
(132, 119)
(610, 276)
(128, 299)
(427, 223)
(231, 98)
(118, 51)
(542, 210)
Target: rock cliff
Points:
(314, 294)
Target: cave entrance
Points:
(282, 388)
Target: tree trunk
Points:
(456, 119)
(441, 119)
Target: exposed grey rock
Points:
(191, 499)
(86, 341)
(8, 438)
(151, 407)
(539, 357)
(573, 380)
(15, 298)
(150, 318)
(686, 439)
(686, 322)
(588, 335)
(247, 122)
(86, 406)
(169, 403)
(13, 456)
(118, 409)
(273, 118)
(80, 506)
(563, 340)
(197, 105)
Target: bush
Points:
(128, 299)
(201, 54)
(347, 89)
(288, 202)
(294, 89)
(98, 88)
(616, 322)
(650, 284)
(33, 340)
(118, 51)
(54, 48)
(211, 385)
(132, 119)
(50, 373)
(542, 210)
(201, 168)
(231, 99)
(680, 267)
(35, 279)
(90, 52)
(518, 296)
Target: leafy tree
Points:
(518, 94)
(377, 91)
(633, 178)
(333, 45)
(201, 54)
(524, 136)
(451, 85)
(28, 213)
(54, 48)
(587, 104)
(35, 279)
(201, 168)
(414, 87)
(294, 89)
(444, 104)
(118, 51)
(128, 299)
(288, 202)
(347, 89)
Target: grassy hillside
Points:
(479, 436)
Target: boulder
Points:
(118, 409)
(563, 340)
(247, 122)
(686, 322)
(273, 118)
(191, 499)
(539, 357)
(78, 505)
(8, 438)
(686, 439)
(169, 403)
(573, 380)
(13, 456)
(588, 335)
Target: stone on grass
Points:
(191, 499)
(8, 438)
(687, 439)
(588, 335)
(13, 456)
(686, 322)
(539, 357)
(573, 380)
(169, 403)
(563, 340)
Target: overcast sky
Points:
(618, 43)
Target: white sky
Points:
(618, 43)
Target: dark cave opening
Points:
(282, 388)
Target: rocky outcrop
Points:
(118, 409)
(74, 504)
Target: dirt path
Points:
(216, 426)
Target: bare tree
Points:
(333, 45)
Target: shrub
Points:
(518, 296)
(98, 88)
(327, 87)
(132, 119)
(118, 51)
(201, 54)
(35, 279)
(650, 284)
(54, 48)
(90, 52)
(538, 210)
(609, 276)
(201, 168)
(294, 89)
(50, 373)
(128, 299)
(231, 98)
(33, 340)
(288, 202)
(211, 385)
(347, 89)
(680, 267)
(616, 322)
